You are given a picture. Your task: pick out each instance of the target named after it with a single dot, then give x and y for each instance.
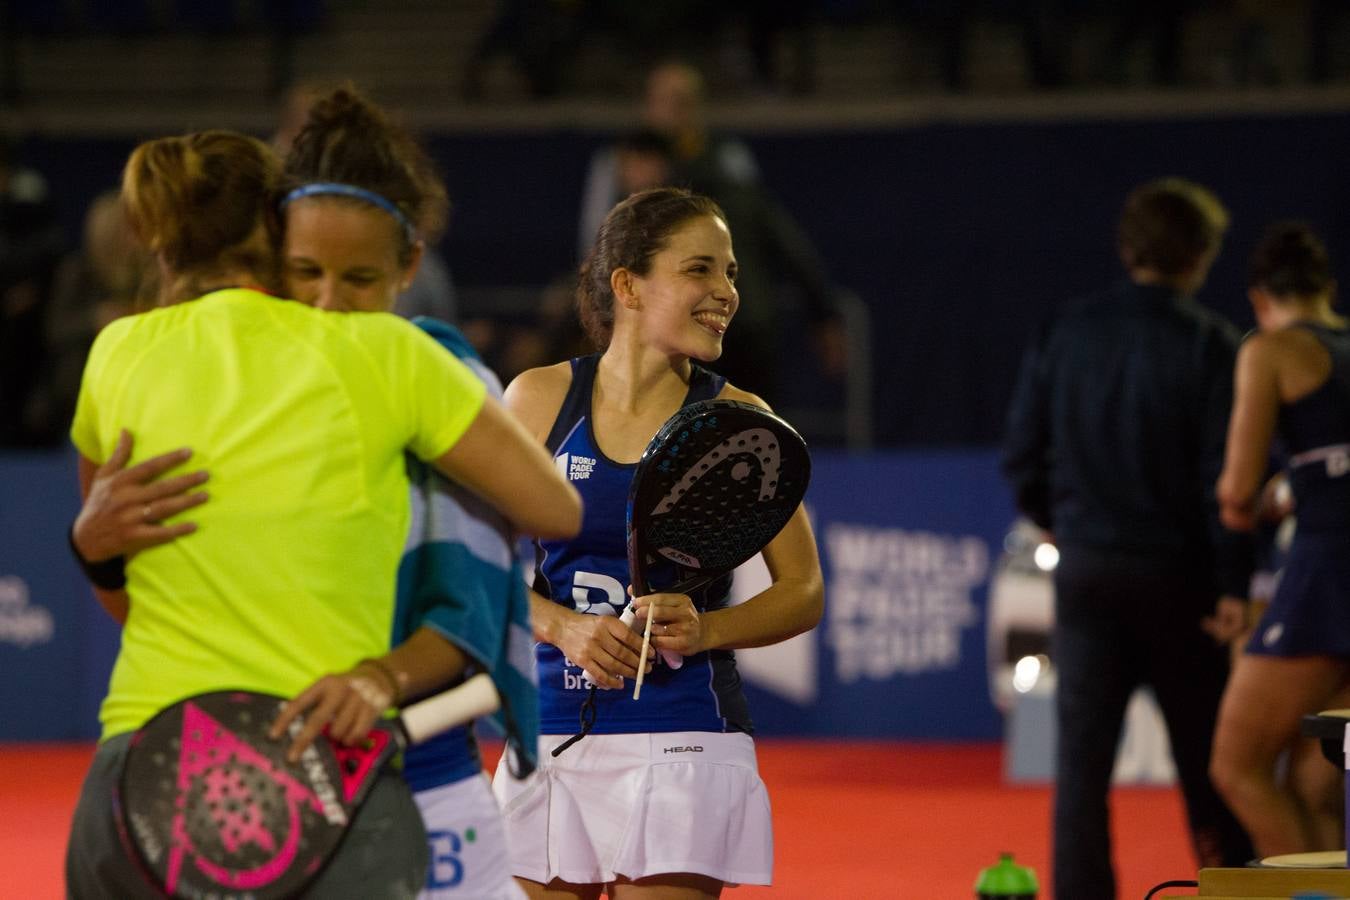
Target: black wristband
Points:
(110, 575)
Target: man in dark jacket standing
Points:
(1115, 440)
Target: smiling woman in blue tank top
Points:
(663, 799)
(1292, 381)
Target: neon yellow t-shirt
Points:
(302, 418)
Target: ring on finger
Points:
(147, 514)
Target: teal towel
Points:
(462, 570)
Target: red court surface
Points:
(891, 821)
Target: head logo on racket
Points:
(715, 485)
(759, 443)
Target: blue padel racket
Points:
(209, 806)
(713, 488)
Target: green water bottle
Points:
(1006, 881)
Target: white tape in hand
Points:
(673, 659)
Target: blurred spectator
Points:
(1324, 16)
(1158, 23)
(30, 247)
(642, 159)
(673, 105)
(554, 334)
(947, 24)
(782, 282)
(104, 280)
(637, 160)
(781, 275)
(1253, 60)
(772, 25)
(1115, 437)
(540, 37)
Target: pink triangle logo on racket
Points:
(211, 755)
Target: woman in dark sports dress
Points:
(1292, 380)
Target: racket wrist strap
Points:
(587, 721)
(108, 574)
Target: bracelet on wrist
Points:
(109, 574)
(389, 676)
(372, 693)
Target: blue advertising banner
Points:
(56, 643)
(907, 540)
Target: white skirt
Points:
(469, 858)
(636, 805)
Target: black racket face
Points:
(212, 808)
(714, 487)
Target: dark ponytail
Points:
(349, 140)
(1291, 261)
(634, 231)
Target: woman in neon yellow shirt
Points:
(289, 581)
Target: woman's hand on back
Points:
(124, 508)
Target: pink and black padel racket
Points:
(210, 807)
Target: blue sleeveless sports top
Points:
(589, 574)
(1316, 433)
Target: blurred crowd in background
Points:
(56, 300)
(775, 46)
(58, 288)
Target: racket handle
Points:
(463, 703)
(673, 659)
(642, 658)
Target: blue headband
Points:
(328, 188)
